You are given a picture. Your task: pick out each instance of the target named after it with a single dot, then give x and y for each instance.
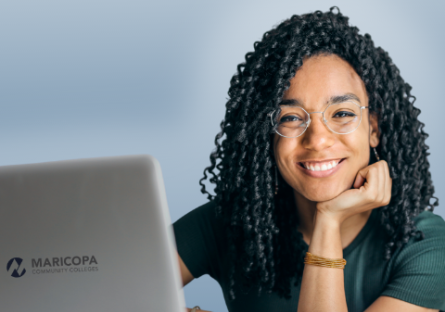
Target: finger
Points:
(363, 177)
(382, 195)
(388, 184)
(359, 180)
(381, 190)
(371, 178)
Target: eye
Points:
(344, 114)
(290, 118)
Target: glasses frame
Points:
(270, 114)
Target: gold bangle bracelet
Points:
(324, 262)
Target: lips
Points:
(320, 165)
(320, 169)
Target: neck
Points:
(349, 229)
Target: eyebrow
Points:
(333, 100)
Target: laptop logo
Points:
(13, 267)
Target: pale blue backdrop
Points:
(104, 77)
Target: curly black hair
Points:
(264, 245)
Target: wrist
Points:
(327, 220)
(326, 237)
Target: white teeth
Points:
(324, 166)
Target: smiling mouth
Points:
(320, 166)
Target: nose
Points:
(317, 136)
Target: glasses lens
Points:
(343, 117)
(292, 121)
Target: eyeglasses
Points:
(292, 121)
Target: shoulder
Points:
(433, 228)
(418, 269)
(424, 258)
(432, 246)
(200, 222)
(431, 224)
(202, 215)
(200, 240)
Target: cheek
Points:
(284, 148)
(358, 144)
(286, 152)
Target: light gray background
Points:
(100, 78)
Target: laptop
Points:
(87, 235)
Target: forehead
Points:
(323, 77)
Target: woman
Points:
(322, 182)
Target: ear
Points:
(374, 134)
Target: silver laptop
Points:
(87, 235)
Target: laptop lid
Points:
(87, 235)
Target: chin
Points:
(321, 196)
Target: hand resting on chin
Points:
(371, 189)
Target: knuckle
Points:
(381, 197)
(370, 196)
(372, 169)
(388, 198)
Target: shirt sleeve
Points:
(199, 238)
(419, 268)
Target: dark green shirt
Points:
(415, 273)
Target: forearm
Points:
(322, 289)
